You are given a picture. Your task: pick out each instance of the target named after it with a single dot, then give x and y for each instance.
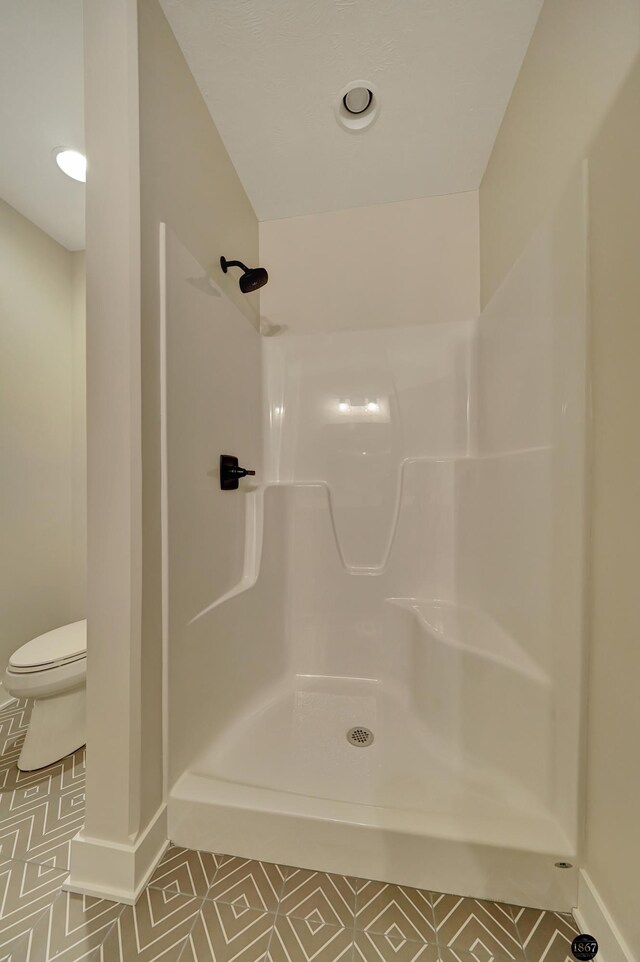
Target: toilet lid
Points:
(57, 647)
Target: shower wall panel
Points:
(352, 408)
(450, 468)
(213, 402)
(521, 497)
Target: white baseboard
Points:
(111, 870)
(594, 918)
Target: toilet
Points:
(51, 670)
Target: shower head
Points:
(252, 277)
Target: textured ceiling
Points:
(271, 72)
(41, 108)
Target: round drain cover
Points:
(360, 737)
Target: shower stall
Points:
(374, 648)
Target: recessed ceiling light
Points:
(72, 163)
(358, 106)
(357, 100)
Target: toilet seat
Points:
(17, 670)
(47, 681)
(53, 649)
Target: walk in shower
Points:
(374, 648)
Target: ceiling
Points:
(41, 76)
(271, 72)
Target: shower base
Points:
(283, 783)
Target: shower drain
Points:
(360, 737)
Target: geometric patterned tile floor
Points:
(200, 907)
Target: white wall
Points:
(154, 156)
(79, 429)
(415, 262)
(578, 58)
(187, 181)
(577, 96)
(613, 839)
(113, 459)
(42, 443)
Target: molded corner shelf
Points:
(471, 630)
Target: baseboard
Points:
(594, 918)
(111, 870)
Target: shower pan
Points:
(374, 647)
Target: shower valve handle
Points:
(231, 472)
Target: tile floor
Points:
(201, 907)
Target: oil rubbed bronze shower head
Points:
(252, 277)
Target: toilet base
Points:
(5, 698)
(57, 728)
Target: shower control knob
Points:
(231, 472)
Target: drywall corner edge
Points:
(593, 916)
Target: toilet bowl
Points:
(51, 670)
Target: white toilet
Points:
(52, 670)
